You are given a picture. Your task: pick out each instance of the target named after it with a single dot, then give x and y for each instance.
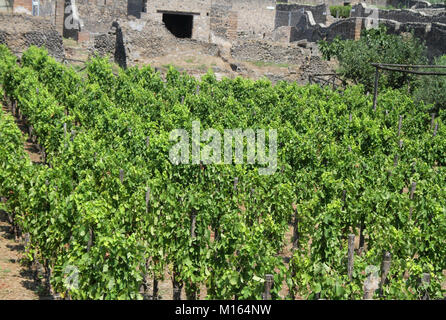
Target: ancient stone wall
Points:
(259, 50)
(290, 14)
(98, 15)
(19, 31)
(199, 9)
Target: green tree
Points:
(432, 89)
(375, 45)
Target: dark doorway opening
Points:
(180, 25)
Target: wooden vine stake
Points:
(268, 286)
(375, 92)
(385, 267)
(395, 160)
(191, 294)
(400, 122)
(425, 282)
(147, 199)
(193, 234)
(147, 141)
(65, 130)
(295, 230)
(177, 286)
(412, 192)
(351, 251)
(432, 120)
(121, 175)
(436, 129)
(90, 239)
(371, 283)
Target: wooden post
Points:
(268, 286)
(147, 199)
(425, 281)
(197, 91)
(65, 130)
(361, 236)
(370, 285)
(176, 293)
(435, 129)
(351, 247)
(395, 160)
(350, 117)
(192, 227)
(90, 240)
(412, 191)
(73, 133)
(295, 230)
(182, 100)
(177, 285)
(432, 120)
(399, 125)
(121, 175)
(235, 183)
(385, 267)
(401, 144)
(147, 141)
(375, 92)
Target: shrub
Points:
(344, 11)
(375, 45)
(432, 89)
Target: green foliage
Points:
(432, 89)
(376, 46)
(331, 49)
(79, 214)
(340, 11)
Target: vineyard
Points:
(108, 203)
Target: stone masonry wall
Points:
(19, 31)
(290, 14)
(200, 8)
(98, 15)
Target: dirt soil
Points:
(186, 57)
(16, 280)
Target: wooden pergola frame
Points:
(404, 68)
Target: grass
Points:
(4, 272)
(202, 67)
(69, 42)
(166, 66)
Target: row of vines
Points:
(109, 203)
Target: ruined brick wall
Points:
(290, 14)
(199, 8)
(98, 15)
(255, 17)
(6, 6)
(19, 31)
(338, 2)
(259, 50)
(23, 6)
